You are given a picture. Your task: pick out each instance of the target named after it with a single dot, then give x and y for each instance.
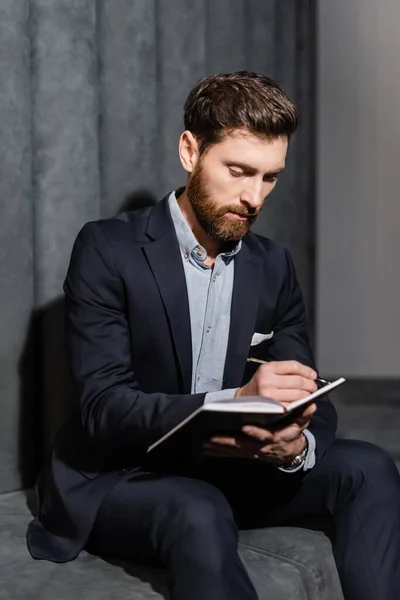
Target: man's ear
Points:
(188, 151)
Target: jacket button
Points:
(124, 471)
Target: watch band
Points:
(298, 460)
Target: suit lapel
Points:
(245, 298)
(163, 255)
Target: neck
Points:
(212, 246)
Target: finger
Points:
(289, 367)
(278, 455)
(223, 440)
(262, 435)
(209, 446)
(290, 430)
(287, 435)
(293, 429)
(309, 411)
(303, 424)
(284, 396)
(296, 382)
(303, 418)
(219, 451)
(218, 448)
(240, 443)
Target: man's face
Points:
(231, 181)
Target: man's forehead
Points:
(240, 136)
(244, 146)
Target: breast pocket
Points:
(261, 344)
(221, 345)
(259, 338)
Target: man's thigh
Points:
(325, 491)
(145, 508)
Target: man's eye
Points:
(235, 173)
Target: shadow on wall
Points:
(30, 430)
(140, 198)
(46, 390)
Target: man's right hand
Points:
(283, 381)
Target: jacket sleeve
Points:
(113, 410)
(291, 342)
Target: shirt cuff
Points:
(310, 458)
(220, 395)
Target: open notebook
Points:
(230, 415)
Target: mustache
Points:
(242, 213)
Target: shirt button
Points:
(198, 377)
(214, 278)
(209, 329)
(186, 255)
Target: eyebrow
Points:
(249, 170)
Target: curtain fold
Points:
(16, 228)
(64, 133)
(128, 126)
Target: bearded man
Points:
(164, 306)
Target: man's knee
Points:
(199, 516)
(363, 456)
(360, 463)
(201, 507)
(356, 471)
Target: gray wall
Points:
(90, 105)
(358, 268)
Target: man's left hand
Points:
(277, 447)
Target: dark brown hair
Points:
(220, 103)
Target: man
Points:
(164, 306)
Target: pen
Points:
(319, 381)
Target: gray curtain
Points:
(91, 96)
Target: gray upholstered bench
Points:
(284, 563)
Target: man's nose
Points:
(253, 195)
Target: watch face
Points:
(297, 460)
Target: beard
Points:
(211, 217)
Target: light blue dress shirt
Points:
(210, 296)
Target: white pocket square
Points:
(260, 337)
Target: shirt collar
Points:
(187, 242)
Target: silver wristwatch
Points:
(298, 460)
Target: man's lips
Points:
(240, 217)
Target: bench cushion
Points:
(283, 562)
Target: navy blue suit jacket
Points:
(129, 344)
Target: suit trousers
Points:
(187, 519)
